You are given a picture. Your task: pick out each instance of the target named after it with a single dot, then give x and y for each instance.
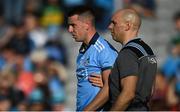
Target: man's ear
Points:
(127, 26)
(86, 25)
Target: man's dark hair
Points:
(177, 16)
(83, 11)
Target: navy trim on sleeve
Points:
(105, 68)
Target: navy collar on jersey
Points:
(84, 47)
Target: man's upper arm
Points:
(128, 89)
(128, 63)
(128, 84)
(105, 76)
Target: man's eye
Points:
(73, 25)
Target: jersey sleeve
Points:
(128, 63)
(106, 59)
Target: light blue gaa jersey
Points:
(99, 55)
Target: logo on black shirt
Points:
(152, 60)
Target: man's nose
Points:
(70, 29)
(110, 26)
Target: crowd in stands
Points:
(33, 57)
(167, 89)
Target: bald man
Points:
(133, 74)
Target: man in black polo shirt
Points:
(133, 75)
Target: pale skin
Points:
(96, 80)
(82, 30)
(124, 27)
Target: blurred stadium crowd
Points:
(34, 58)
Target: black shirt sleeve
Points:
(127, 63)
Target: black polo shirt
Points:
(135, 58)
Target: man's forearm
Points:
(100, 99)
(122, 102)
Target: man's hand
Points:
(96, 80)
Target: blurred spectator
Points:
(49, 72)
(57, 71)
(171, 69)
(5, 103)
(7, 57)
(73, 3)
(13, 10)
(58, 100)
(177, 21)
(5, 87)
(6, 31)
(17, 61)
(36, 100)
(175, 40)
(52, 18)
(158, 101)
(25, 82)
(171, 65)
(39, 57)
(21, 41)
(68, 5)
(36, 33)
(146, 8)
(8, 91)
(57, 80)
(57, 51)
(103, 11)
(20, 46)
(41, 84)
(34, 6)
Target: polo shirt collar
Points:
(84, 47)
(133, 40)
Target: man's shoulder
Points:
(105, 44)
(138, 47)
(123, 54)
